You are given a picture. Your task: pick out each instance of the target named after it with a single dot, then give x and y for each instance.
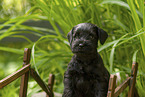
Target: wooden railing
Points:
(24, 74)
(130, 81)
(26, 70)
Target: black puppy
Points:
(86, 75)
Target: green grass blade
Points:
(12, 50)
(23, 37)
(137, 23)
(134, 58)
(111, 59)
(106, 45)
(134, 15)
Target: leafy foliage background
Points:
(124, 20)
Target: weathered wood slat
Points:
(51, 83)
(133, 79)
(121, 87)
(112, 83)
(14, 76)
(40, 82)
(25, 77)
(130, 81)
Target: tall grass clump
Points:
(124, 21)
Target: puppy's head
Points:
(83, 38)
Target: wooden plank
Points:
(121, 87)
(112, 83)
(133, 79)
(24, 85)
(14, 76)
(40, 82)
(51, 83)
(24, 78)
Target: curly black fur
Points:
(86, 75)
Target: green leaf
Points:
(12, 50)
(134, 15)
(134, 58)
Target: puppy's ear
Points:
(70, 36)
(102, 35)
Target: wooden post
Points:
(24, 78)
(133, 79)
(51, 83)
(112, 83)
